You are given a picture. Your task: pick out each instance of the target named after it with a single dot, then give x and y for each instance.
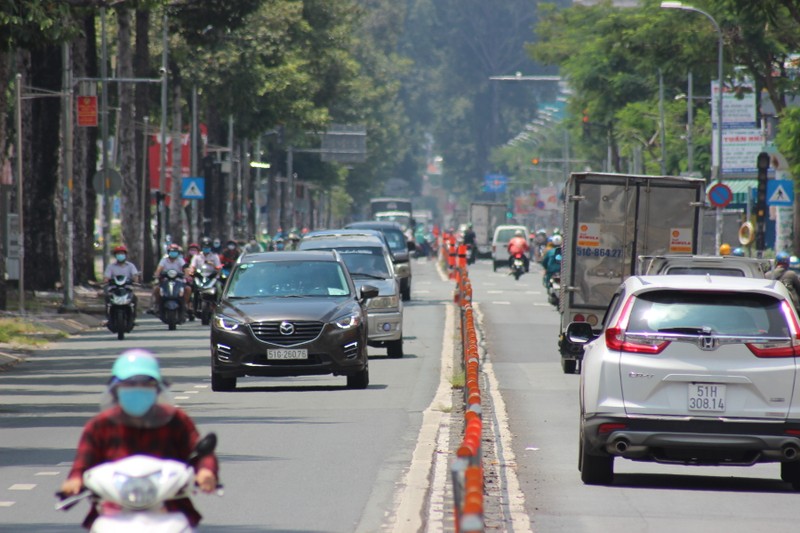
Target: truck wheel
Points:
(569, 365)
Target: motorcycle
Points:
(130, 494)
(173, 310)
(120, 309)
(472, 254)
(554, 289)
(517, 266)
(204, 295)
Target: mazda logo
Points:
(286, 328)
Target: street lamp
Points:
(685, 7)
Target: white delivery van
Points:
(503, 234)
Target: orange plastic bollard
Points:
(462, 256)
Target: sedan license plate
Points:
(708, 397)
(287, 354)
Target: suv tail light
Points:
(788, 348)
(617, 340)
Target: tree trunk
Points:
(131, 210)
(141, 66)
(41, 118)
(176, 202)
(84, 197)
(5, 166)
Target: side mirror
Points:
(204, 446)
(579, 333)
(368, 291)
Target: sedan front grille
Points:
(286, 332)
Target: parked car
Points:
(399, 246)
(694, 370)
(368, 260)
(716, 265)
(290, 314)
(503, 234)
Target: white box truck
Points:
(485, 216)
(609, 221)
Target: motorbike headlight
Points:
(348, 321)
(137, 492)
(383, 302)
(227, 323)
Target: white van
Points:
(503, 234)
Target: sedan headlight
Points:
(384, 302)
(348, 321)
(402, 269)
(227, 323)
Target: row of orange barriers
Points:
(466, 469)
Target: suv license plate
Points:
(287, 354)
(706, 397)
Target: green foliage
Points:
(788, 138)
(27, 23)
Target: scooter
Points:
(517, 266)
(204, 295)
(472, 254)
(173, 309)
(130, 494)
(120, 309)
(554, 289)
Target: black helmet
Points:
(206, 242)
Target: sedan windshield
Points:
(288, 278)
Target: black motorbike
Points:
(120, 306)
(554, 288)
(517, 266)
(171, 286)
(205, 292)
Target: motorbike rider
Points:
(139, 421)
(252, 246)
(552, 259)
(539, 243)
(173, 261)
(787, 276)
(121, 267)
(230, 254)
(191, 251)
(518, 245)
(469, 241)
(206, 255)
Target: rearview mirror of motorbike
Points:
(66, 503)
(205, 446)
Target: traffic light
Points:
(762, 163)
(585, 121)
(535, 161)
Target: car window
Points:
(695, 270)
(707, 312)
(365, 260)
(290, 278)
(396, 239)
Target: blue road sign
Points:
(193, 188)
(720, 195)
(780, 193)
(495, 183)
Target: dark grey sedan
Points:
(290, 314)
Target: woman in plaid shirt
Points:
(137, 424)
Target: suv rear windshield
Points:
(698, 270)
(505, 235)
(707, 312)
(395, 238)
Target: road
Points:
(542, 406)
(297, 454)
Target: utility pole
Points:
(68, 304)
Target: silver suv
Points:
(695, 370)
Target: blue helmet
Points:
(738, 252)
(782, 258)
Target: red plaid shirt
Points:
(105, 438)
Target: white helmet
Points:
(519, 233)
(556, 240)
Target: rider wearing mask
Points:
(140, 421)
(206, 255)
(230, 254)
(121, 267)
(173, 261)
(518, 245)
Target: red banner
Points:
(154, 159)
(87, 111)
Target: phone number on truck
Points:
(598, 252)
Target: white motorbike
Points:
(130, 493)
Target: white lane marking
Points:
(65, 463)
(540, 304)
(201, 386)
(507, 462)
(22, 486)
(48, 473)
(180, 398)
(533, 292)
(191, 392)
(495, 292)
(500, 302)
(430, 455)
(7, 504)
(421, 291)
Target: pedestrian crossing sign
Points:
(193, 188)
(780, 193)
